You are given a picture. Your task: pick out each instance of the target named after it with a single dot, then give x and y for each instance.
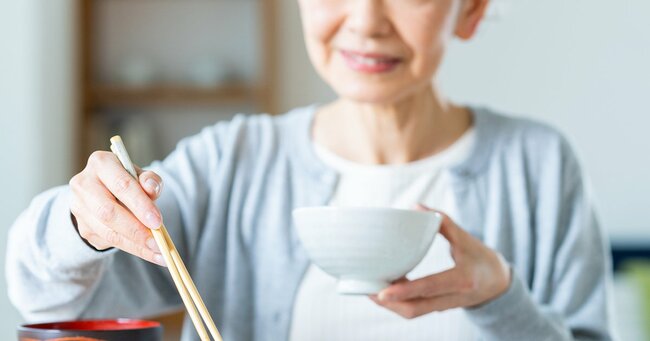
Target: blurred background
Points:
(75, 72)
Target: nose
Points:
(368, 18)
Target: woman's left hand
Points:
(480, 275)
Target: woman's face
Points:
(380, 51)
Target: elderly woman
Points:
(522, 258)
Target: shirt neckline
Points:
(485, 125)
(458, 151)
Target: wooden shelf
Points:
(109, 95)
(93, 95)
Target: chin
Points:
(370, 98)
(374, 93)
(380, 89)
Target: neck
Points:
(405, 131)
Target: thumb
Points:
(151, 183)
(448, 227)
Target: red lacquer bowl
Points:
(92, 330)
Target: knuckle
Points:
(144, 253)
(144, 204)
(97, 157)
(74, 181)
(78, 182)
(429, 291)
(149, 174)
(138, 236)
(468, 285)
(74, 207)
(122, 183)
(113, 238)
(85, 232)
(92, 240)
(106, 212)
(98, 242)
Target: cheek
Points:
(320, 19)
(318, 24)
(426, 35)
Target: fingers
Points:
(102, 237)
(112, 208)
(448, 227)
(108, 212)
(417, 307)
(89, 235)
(126, 189)
(444, 283)
(477, 277)
(128, 245)
(151, 183)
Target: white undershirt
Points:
(321, 314)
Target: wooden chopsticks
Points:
(180, 275)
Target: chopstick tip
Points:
(116, 139)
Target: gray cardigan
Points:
(227, 202)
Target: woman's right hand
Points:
(113, 209)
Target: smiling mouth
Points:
(370, 62)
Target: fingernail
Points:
(152, 186)
(152, 219)
(384, 297)
(151, 244)
(158, 258)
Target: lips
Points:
(370, 62)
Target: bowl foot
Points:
(360, 287)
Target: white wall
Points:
(35, 92)
(300, 83)
(18, 164)
(581, 65)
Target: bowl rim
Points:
(299, 210)
(138, 324)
